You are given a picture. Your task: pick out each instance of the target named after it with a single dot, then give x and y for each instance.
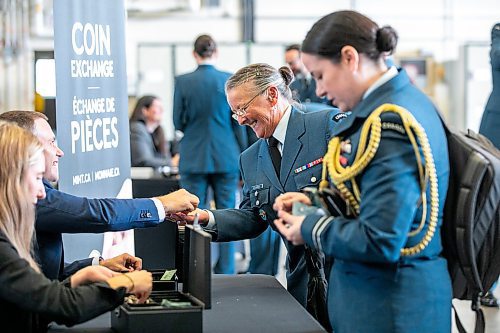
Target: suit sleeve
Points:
(179, 112)
(31, 291)
(65, 213)
(71, 268)
(389, 196)
(141, 149)
(237, 224)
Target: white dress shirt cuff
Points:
(211, 220)
(96, 257)
(160, 209)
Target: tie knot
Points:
(273, 142)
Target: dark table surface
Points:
(240, 303)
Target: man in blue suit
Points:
(64, 213)
(287, 157)
(212, 141)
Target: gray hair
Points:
(263, 76)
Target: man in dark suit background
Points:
(303, 87)
(60, 212)
(212, 141)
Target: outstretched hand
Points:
(179, 201)
(123, 262)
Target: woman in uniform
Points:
(388, 275)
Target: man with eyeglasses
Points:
(288, 157)
(212, 141)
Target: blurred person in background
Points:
(148, 144)
(303, 86)
(212, 140)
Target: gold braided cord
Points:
(367, 147)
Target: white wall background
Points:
(439, 28)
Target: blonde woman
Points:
(27, 298)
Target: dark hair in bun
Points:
(205, 46)
(331, 33)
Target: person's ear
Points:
(196, 56)
(350, 57)
(272, 95)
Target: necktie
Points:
(275, 154)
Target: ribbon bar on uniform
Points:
(309, 165)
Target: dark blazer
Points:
(307, 137)
(372, 288)
(212, 140)
(142, 149)
(490, 122)
(60, 213)
(29, 301)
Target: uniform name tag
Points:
(257, 187)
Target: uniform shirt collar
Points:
(392, 72)
(280, 131)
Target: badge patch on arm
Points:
(341, 115)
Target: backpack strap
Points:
(465, 210)
(480, 322)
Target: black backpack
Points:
(471, 223)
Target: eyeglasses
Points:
(243, 110)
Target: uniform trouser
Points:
(224, 186)
(264, 252)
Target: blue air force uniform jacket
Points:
(306, 140)
(372, 288)
(60, 213)
(212, 140)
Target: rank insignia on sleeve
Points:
(263, 214)
(308, 165)
(392, 126)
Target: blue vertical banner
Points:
(91, 100)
